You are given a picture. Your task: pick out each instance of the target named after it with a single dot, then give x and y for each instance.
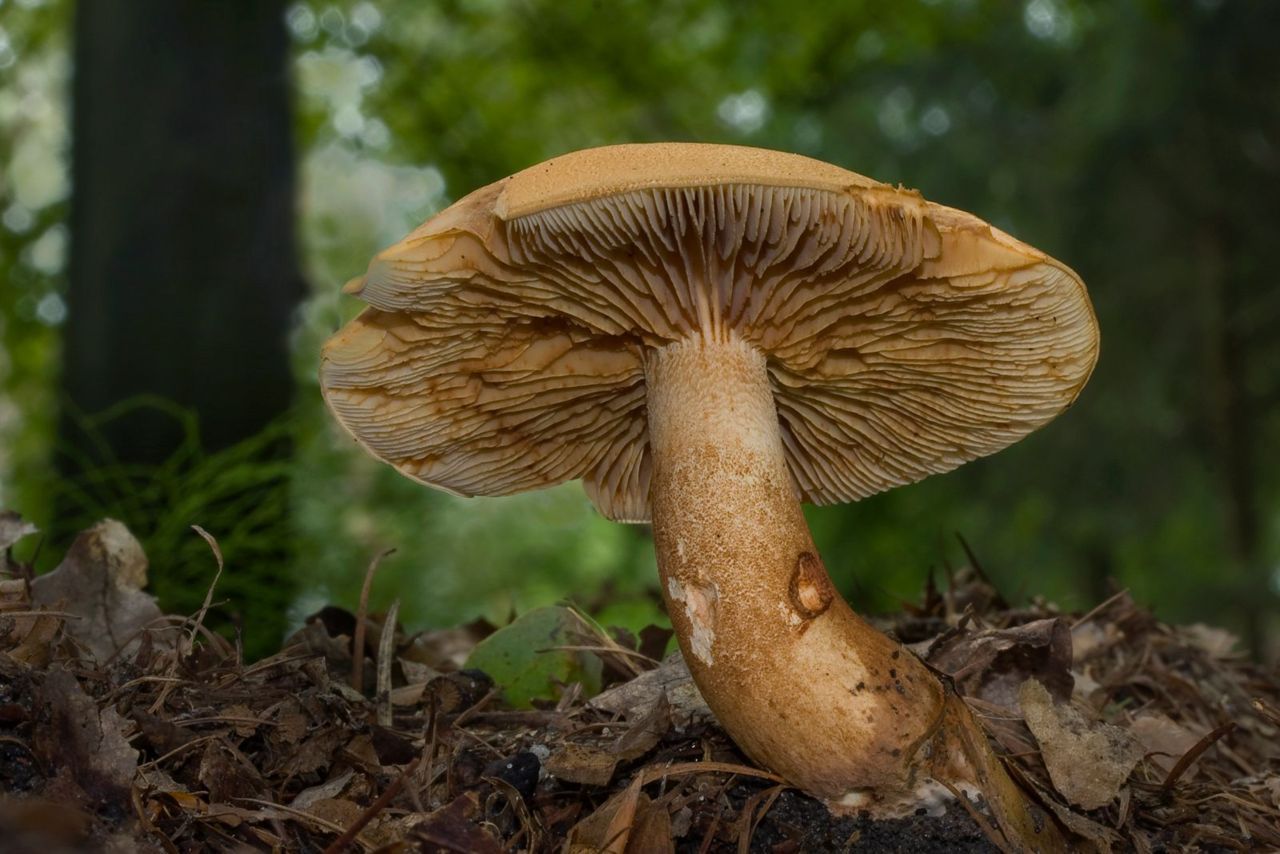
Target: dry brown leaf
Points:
(1088, 761)
(290, 727)
(243, 720)
(156, 781)
(391, 747)
(360, 751)
(314, 638)
(453, 828)
(645, 733)
(579, 763)
(159, 734)
(329, 789)
(226, 774)
(445, 649)
(89, 743)
(13, 593)
(609, 828)
(992, 663)
(415, 672)
(37, 635)
(651, 833)
(408, 695)
(672, 679)
(316, 753)
(337, 811)
(1165, 740)
(185, 800)
(100, 580)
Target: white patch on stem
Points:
(700, 607)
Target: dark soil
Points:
(799, 823)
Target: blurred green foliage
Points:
(34, 187)
(1139, 141)
(241, 493)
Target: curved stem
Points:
(803, 684)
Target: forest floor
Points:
(123, 729)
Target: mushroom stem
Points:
(803, 684)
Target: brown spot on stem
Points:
(810, 589)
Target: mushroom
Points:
(708, 336)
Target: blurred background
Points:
(185, 185)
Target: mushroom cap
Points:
(505, 342)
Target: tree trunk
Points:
(183, 283)
(183, 274)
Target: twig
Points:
(979, 819)
(609, 644)
(155, 763)
(1266, 711)
(753, 812)
(651, 775)
(480, 741)
(322, 823)
(1193, 754)
(362, 613)
(349, 835)
(386, 651)
(224, 719)
(37, 613)
(429, 753)
(476, 707)
(619, 650)
(208, 596)
(529, 718)
(1100, 607)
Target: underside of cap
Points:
(489, 409)
(505, 345)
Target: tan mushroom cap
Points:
(504, 348)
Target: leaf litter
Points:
(124, 729)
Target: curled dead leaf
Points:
(991, 664)
(1088, 761)
(670, 679)
(89, 743)
(578, 763)
(100, 581)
